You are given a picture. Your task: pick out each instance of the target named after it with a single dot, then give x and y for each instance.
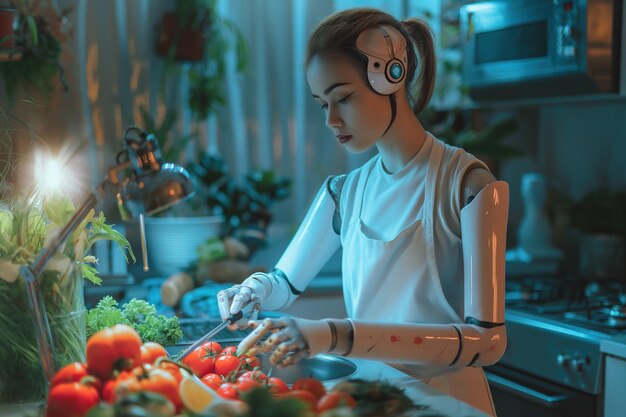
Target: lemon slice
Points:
(196, 396)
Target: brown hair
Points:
(337, 34)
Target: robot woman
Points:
(422, 224)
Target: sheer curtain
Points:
(269, 120)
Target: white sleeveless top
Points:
(402, 255)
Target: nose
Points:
(332, 117)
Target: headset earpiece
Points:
(386, 53)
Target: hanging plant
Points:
(41, 33)
(195, 33)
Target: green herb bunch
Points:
(28, 222)
(139, 314)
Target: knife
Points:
(230, 320)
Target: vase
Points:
(22, 378)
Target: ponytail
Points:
(422, 89)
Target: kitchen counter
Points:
(614, 372)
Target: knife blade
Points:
(230, 320)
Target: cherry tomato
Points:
(213, 381)
(155, 380)
(256, 375)
(301, 395)
(225, 364)
(173, 369)
(116, 347)
(150, 352)
(277, 385)
(245, 385)
(228, 390)
(72, 372)
(202, 360)
(314, 386)
(229, 350)
(250, 362)
(108, 390)
(71, 399)
(334, 399)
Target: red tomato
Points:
(225, 364)
(172, 369)
(202, 360)
(256, 375)
(277, 385)
(229, 350)
(156, 380)
(150, 352)
(228, 390)
(250, 362)
(108, 390)
(314, 386)
(213, 381)
(71, 399)
(245, 385)
(73, 372)
(116, 347)
(301, 395)
(335, 399)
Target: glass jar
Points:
(21, 376)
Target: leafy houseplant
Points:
(40, 35)
(27, 222)
(194, 32)
(452, 127)
(245, 204)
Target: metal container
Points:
(326, 368)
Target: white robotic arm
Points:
(481, 340)
(309, 250)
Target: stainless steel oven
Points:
(553, 365)
(523, 48)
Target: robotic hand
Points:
(311, 247)
(270, 290)
(289, 340)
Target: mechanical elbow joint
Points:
(480, 345)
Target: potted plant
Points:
(195, 33)
(40, 34)
(8, 16)
(487, 144)
(600, 217)
(245, 204)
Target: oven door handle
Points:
(546, 400)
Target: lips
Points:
(343, 138)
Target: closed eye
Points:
(345, 99)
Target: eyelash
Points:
(342, 101)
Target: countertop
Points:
(615, 346)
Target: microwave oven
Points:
(537, 48)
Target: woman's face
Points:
(357, 116)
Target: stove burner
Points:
(600, 305)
